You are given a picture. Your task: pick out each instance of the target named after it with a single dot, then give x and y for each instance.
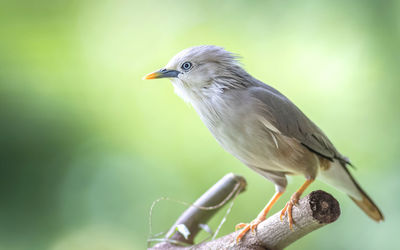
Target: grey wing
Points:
(291, 122)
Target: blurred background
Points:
(87, 146)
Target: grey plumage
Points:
(256, 123)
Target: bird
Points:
(261, 127)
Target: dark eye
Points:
(186, 66)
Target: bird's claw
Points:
(246, 227)
(294, 200)
(240, 226)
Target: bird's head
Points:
(198, 67)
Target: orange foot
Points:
(260, 218)
(246, 227)
(294, 199)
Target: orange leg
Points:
(261, 217)
(294, 199)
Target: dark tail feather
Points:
(366, 204)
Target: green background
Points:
(87, 146)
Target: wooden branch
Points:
(313, 211)
(203, 209)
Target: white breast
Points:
(242, 133)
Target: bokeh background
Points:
(87, 146)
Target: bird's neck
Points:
(202, 99)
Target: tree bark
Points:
(313, 211)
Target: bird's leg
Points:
(261, 217)
(294, 199)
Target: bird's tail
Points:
(368, 206)
(339, 176)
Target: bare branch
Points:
(205, 207)
(313, 211)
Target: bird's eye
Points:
(186, 66)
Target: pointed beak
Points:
(162, 73)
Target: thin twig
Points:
(203, 208)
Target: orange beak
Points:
(153, 75)
(162, 73)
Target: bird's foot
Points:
(260, 218)
(294, 199)
(246, 227)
